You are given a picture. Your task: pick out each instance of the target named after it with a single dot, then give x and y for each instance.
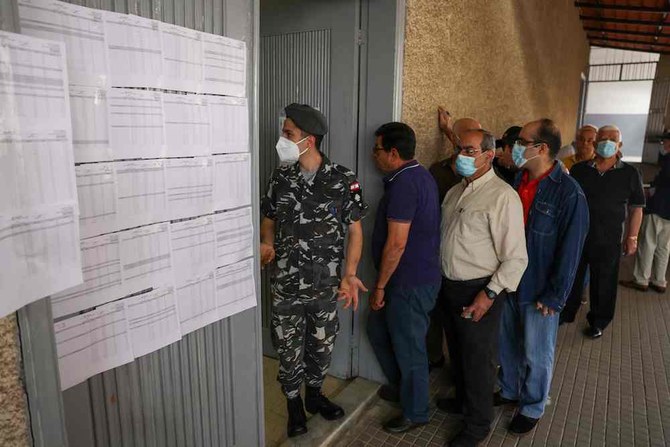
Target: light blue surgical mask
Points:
(519, 155)
(606, 148)
(465, 165)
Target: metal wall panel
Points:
(284, 80)
(205, 390)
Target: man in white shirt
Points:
(483, 256)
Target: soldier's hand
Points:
(444, 120)
(377, 299)
(349, 289)
(478, 308)
(546, 310)
(267, 254)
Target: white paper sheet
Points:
(142, 192)
(192, 248)
(39, 255)
(101, 269)
(90, 124)
(145, 257)
(235, 288)
(232, 181)
(229, 124)
(196, 302)
(134, 50)
(225, 62)
(234, 236)
(33, 84)
(36, 169)
(182, 58)
(80, 29)
(186, 125)
(91, 343)
(136, 122)
(153, 320)
(190, 185)
(96, 189)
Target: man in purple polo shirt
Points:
(405, 248)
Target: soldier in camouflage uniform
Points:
(310, 205)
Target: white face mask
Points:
(288, 151)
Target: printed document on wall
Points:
(225, 62)
(101, 269)
(39, 255)
(196, 302)
(82, 31)
(152, 320)
(136, 122)
(91, 343)
(33, 84)
(36, 169)
(232, 181)
(145, 257)
(190, 186)
(96, 189)
(192, 248)
(134, 50)
(229, 124)
(142, 193)
(186, 125)
(182, 58)
(234, 236)
(235, 288)
(90, 124)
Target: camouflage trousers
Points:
(304, 328)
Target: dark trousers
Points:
(603, 263)
(472, 350)
(397, 333)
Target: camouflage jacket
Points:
(310, 224)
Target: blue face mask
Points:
(465, 165)
(606, 149)
(518, 155)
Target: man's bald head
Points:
(464, 124)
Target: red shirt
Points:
(528, 189)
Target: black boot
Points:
(315, 402)
(297, 419)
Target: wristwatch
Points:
(490, 293)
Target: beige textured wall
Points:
(501, 61)
(13, 403)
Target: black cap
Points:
(307, 118)
(509, 137)
(666, 135)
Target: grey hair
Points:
(611, 127)
(488, 140)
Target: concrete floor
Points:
(275, 403)
(614, 391)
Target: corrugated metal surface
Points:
(285, 78)
(660, 95)
(205, 390)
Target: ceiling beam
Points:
(636, 42)
(624, 21)
(612, 7)
(622, 46)
(619, 31)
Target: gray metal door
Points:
(310, 54)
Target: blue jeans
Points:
(397, 333)
(527, 345)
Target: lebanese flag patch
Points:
(355, 187)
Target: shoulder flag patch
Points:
(355, 187)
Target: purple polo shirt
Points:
(410, 195)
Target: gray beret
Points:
(307, 118)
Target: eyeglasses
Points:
(470, 151)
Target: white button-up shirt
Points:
(482, 233)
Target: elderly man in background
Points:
(584, 146)
(613, 190)
(483, 255)
(651, 261)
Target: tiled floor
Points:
(275, 403)
(608, 392)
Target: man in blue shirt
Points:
(557, 221)
(651, 260)
(405, 247)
